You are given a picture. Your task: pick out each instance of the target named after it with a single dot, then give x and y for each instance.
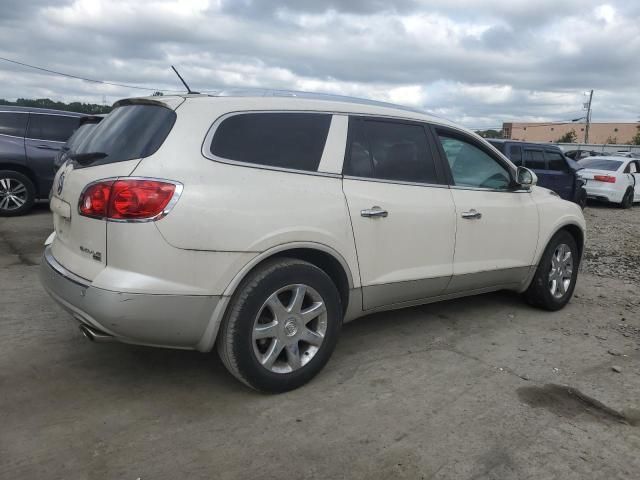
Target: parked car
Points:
(613, 179)
(86, 125)
(259, 224)
(554, 170)
(30, 138)
(580, 154)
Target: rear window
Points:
(286, 140)
(54, 128)
(600, 164)
(13, 123)
(127, 133)
(80, 134)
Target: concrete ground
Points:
(482, 388)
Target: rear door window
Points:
(13, 124)
(54, 128)
(390, 151)
(555, 161)
(516, 154)
(128, 132)
(534, 159)
(285, 140)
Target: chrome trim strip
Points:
(395, 182)
(54, 265)
(480, 189)
(80, 115)
(174, 199)
(12, 136)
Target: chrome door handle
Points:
(374, 212)
(472, 214)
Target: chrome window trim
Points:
(12, 136)
(44, 140)
(47, 113)
(481, 189)
(174, 199)
(206, 143)
(395, 182)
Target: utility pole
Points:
(586, 130)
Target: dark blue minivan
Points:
(555, 171)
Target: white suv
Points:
(259, 223)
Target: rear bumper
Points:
(604, 193)
(174, 321)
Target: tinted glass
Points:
(473, 167)
(555, 161)
(516, 154)
(534, 159)
(600, 164)
(13, 124)
(51, 127)
(287, 140)
(128, 132)
(395, 151)
(80, 134)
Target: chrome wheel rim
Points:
(289, 328)
(561, 271)
(13, 194)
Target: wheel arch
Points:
(320, 255)
(17, 167)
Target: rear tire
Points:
(555, 278)
(282, 325)
(17, 193)
(627, 200)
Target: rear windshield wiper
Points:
(86, 158)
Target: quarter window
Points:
(13, 123)
(390, 151)
(286, 140)
(556, 161)
(534, 159)
(473, 167)
(51, 127)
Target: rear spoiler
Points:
(171, 102)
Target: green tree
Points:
(489, 133)
(88, 108)
(636, 139)
(569, 137)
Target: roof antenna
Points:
(183, 82)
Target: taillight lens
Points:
(604, 178)
(126, 199)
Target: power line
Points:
(68, 75)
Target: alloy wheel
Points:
(561, 271)
(289, 328)
(13, 194)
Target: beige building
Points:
(550, 132)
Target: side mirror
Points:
(525, 177)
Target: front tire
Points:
(281, 326)
(17, 193)
(555, 278)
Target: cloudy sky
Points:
(476, 62)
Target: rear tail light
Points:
(129, 199)
(604, 178)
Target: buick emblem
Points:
(60, 183)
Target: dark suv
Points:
(30, 138)
(555, 171)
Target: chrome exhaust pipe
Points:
(95, 335)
